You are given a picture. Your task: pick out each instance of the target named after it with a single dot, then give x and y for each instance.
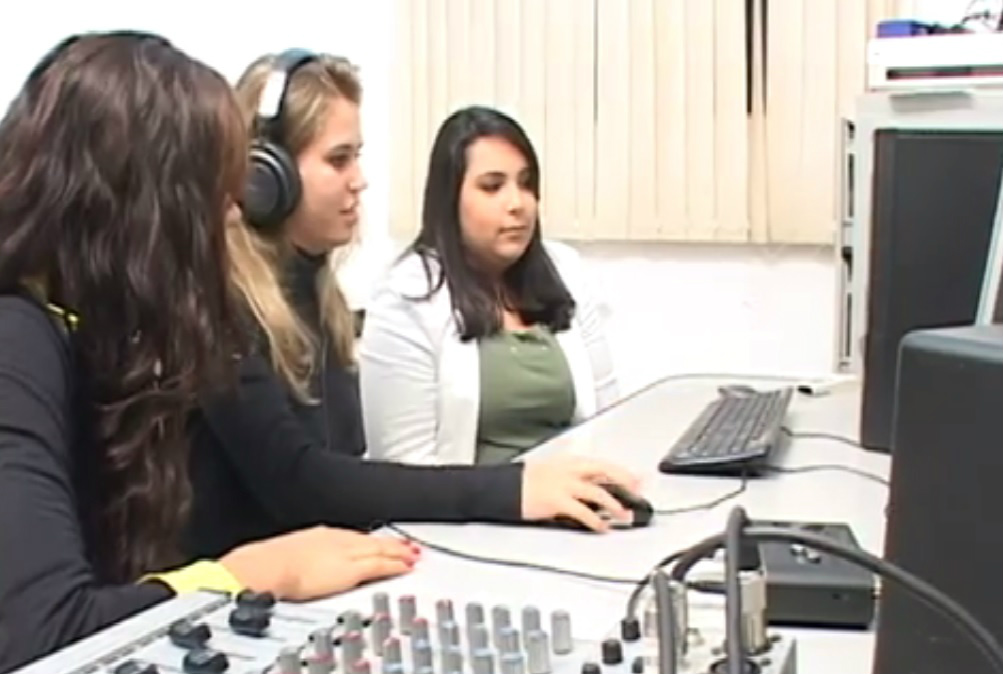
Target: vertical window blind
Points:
(677, 120)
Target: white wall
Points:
(674, 308)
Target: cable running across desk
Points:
(639, 584)
(511, 563)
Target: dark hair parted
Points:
(120, 158)
(531, 286)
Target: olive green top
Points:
(527, 393)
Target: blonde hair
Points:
(256, 260)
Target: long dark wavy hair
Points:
(533, 287)
(120, 157)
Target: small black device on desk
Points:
(734, 435)
(805, 588)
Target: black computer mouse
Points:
(641, 510)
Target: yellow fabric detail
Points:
(202, 575)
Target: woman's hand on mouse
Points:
(566, 485)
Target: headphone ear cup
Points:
(273, 188)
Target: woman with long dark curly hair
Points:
(120, 160)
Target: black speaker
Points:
(946, 498)
(933, 200)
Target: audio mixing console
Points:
(206, 633)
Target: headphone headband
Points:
(273, 96)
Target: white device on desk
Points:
(946, 61)
(207, 633)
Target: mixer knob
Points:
(381, 629)
(512, 663)
(421, 654)
(483, 662)
(319, 666)
(408, 611)
(612, 652)
(419, 629)
(352, 620)
(500, 619)
(205, 661)
(259, 600)
(475, 614)
(537, 652)
(508, 640)
(393, 657)
(135, 667)
(352, 647)
(590, 668)
(478, 638)
(186, 634)
(449, 634)
(250, 622)
(287, 661)
(630, 629)
(322, 644)
(452, 660)
(530, 619)
(381, 603)
(444, 611)
(560, 630)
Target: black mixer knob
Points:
(205, 661)
(135, 667)
(260, 600)
(250, 622)
(186, 634)
(630, 629)
(612, 652)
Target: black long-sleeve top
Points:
(261, 463)
(51, 592)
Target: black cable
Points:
(733, 637)
(787, 470)
(917, 587)
(821, 467)
(821, 435)
(639, 586)
(708, 505)
(511, 563)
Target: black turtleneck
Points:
(265, 463)
(337, 384)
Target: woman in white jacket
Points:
(483, 340)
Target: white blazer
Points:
(420, 384)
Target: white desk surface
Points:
(637, 433)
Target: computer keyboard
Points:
(733, 435)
